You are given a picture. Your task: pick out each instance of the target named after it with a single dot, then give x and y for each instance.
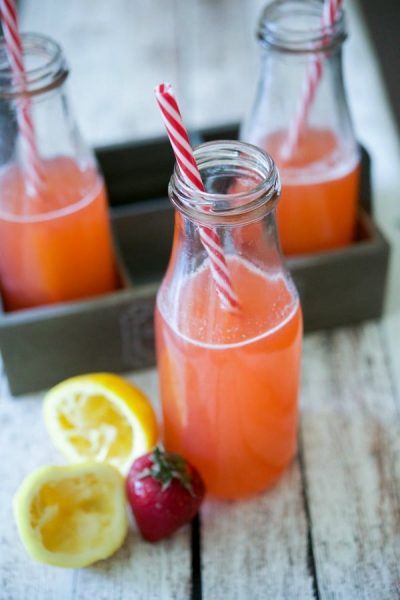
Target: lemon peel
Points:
(73, 515)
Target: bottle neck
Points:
(241, 185)
(303, 27)
(242, 189)
(301, 81)
(45, 68)
(41, 92)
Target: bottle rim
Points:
(226, 159)
(45, 67)
(295, 26)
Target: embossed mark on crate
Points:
(137, 333)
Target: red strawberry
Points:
(164, 492)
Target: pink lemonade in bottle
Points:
(57, 246)
(229, 379)
(55, 236)
(318, 206)
(229, 392)
(301, 117)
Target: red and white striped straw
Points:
(331, 9)
(185, 158)
(33, 166)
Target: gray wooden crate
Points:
(114, 332)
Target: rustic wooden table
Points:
(331, 527)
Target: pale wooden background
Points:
(119, 50)
(331, 528)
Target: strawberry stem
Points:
(166, 467)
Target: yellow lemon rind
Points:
(31, 540)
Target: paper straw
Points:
(32, 164)
(315, 70)
(185, 158)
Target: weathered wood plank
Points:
(24, 446)
(118, 51)
(140, 570)
(377, 129)
(351, 443)
(217, 59)
(258, 548)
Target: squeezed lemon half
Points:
(100, 417)
(72, 516)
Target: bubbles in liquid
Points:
(268, 302)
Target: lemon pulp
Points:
(100, 417)
(66, 512)
(95, 427)
(71, 516)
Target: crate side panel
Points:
(41, 353)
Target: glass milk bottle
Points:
(301, 117)
(229, 379)
(55, 237)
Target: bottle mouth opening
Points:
(241, 182)
(297, 26)
(45, 67)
